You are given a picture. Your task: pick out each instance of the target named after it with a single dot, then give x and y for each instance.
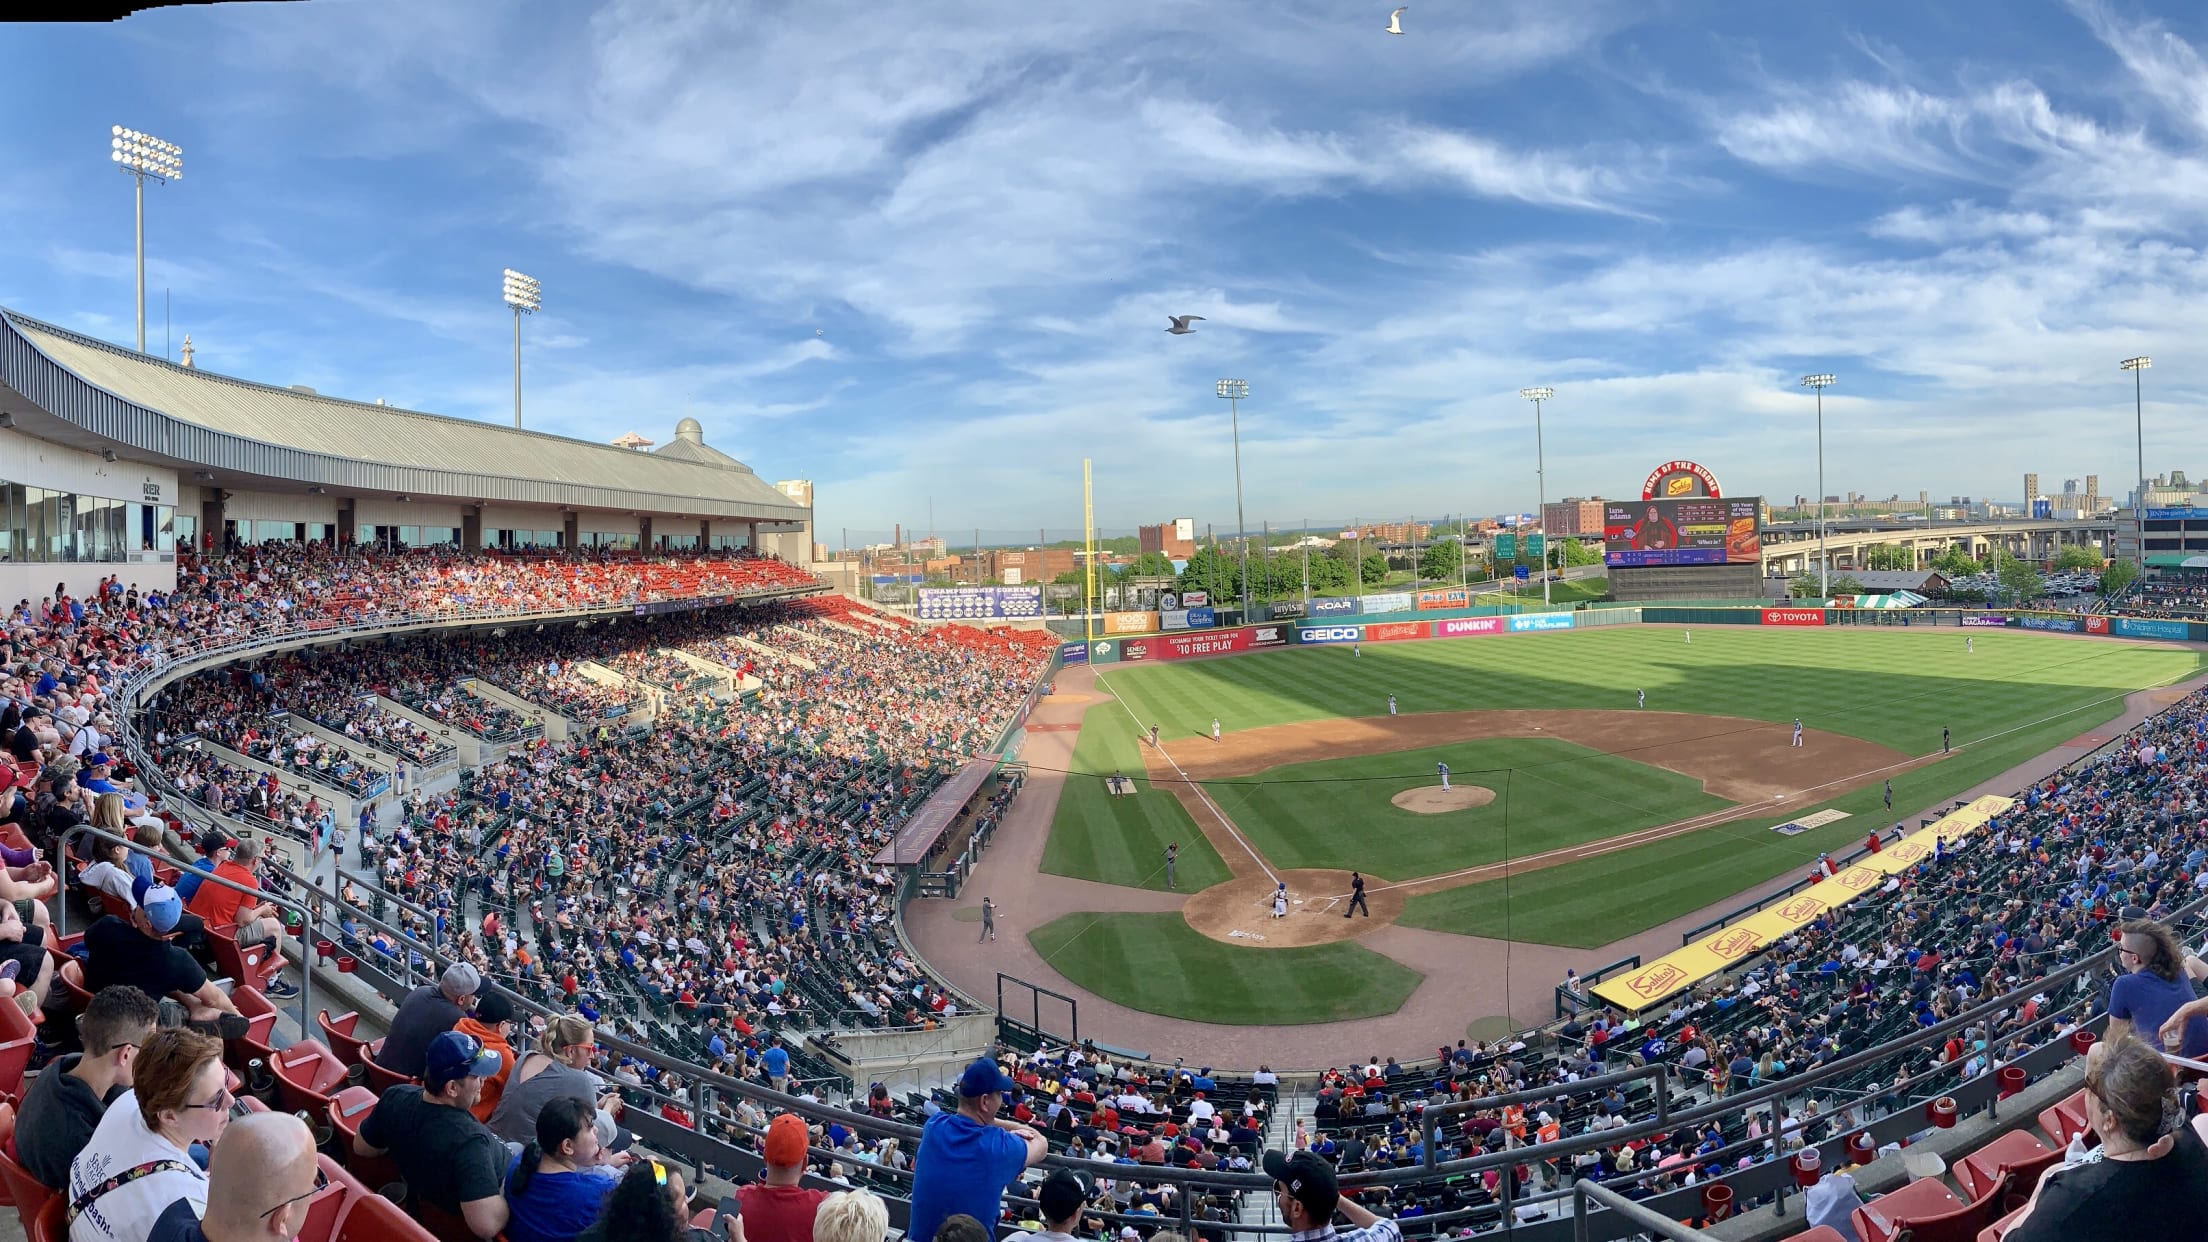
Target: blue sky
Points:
(927, 251)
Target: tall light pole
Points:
(2139, 425)
(1819, 383)
(143, 155)
(527, 298)
(1541, 475)
(1236, 392)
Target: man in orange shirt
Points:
(219, 905)
(492, 1022)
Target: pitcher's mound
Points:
(1433, 799)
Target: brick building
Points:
(1177, 538)
(1572, 517)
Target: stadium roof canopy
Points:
(70, 389)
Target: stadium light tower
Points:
(2139, 425)
(142, 156)
(527, 298)
(1541, 480)
(1819, 383)
(1236, 392)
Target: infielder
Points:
(1280, 899)
(1642, 695)
(1153, 737)
(988, 920)
(1797, 730)
(1214, 728)
(1444, 769)
(1391, 705)
(1172, 855)
(1889, 795)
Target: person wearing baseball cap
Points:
(450, 1161)
(781, 1210)
(426, 1013)
(138, 949)
(1062, 1196)
(967, 1158)
(492, 1021)
(1308, 1196)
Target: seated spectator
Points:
(66, 1101)
(2149, 1182)
(650, 1205)
(137, 950)
(108, 879)
(556, 1186)
(1307, 1196)
(254, 922)
(450, 1161)
(259, 1179)
(492, 1022)
(558, 1066)
(781, 1210)
(852, 1216)
(2155, 989)
(426, 1013)
(177, 1099)
(1062, 1196)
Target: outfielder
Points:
(1690, 638)
(1214, 728)
(1391, 705)
(1643, 696)
(1969, 643)
(1172, 855)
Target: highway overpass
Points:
(1791, 547)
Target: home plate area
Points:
(1241, 911)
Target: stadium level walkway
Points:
(1465, 975)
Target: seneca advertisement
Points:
(1681, 532)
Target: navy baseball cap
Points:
(984, 1078)
(453, 1055)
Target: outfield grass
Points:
(1122, 840)
(1549, 793)
(1890, 686)
(1159, 964)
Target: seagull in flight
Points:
(1180, 323)
(1395, 21)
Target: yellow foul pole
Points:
(1088, 550)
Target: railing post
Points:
(1663, 1097)
(1506, 1185)
(1579, 1212)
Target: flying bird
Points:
(1180, 323)
(1395, 21)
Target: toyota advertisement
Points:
(1793, 616)
(1709, 531)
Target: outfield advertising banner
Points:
(2060, 625)
(1386, 601)
(1724, 948)
(1986, 621)
(1104, 651)
(1397, 631)
(1130, 623)
(1289, 611)
(1539, 621)
(1195, 599)
(1173, 619)
(1317, 634)
(1073, 653)
(1214, 643)
(1793, 616)
(2136, 627)
(1333, 607)
(1705, 531)
(1187, 619)
(2096, 625)
(1453, 597)
(1269, 635)
(1464, 627)
(979, 603)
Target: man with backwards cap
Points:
(137, 950)
(1308, 1196)
(967, 1158)
(426, 1013)
(1062, 1196)
(450, 1160)
(781, 1210)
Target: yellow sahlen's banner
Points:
(1722, 949)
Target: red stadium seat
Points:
(23, 1189)
(46, 1225)
(307, 1075)
(337, 1032)
(1925, 1210)
(2065, 1119)
(18, 1037)
(258, 1042)
(348, 1109)
(373, 1218)
(328, 1205)
(1980, 1169)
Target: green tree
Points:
(1803, 585)
(2074, 557)
(2019, 580)
(1072, 577)
(1888, 556)
(1957, 563)
(1149, 564)
(1375, 569)
(2117, 576)
(1847, 584)
(1441, 560)
(1577, 553)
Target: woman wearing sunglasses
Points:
(139, 1160)
(2149, 1176)
(651, 1205)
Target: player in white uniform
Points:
(1214, 728)
(1797, 730)
(1391, 705)
(1642, 695)
(1280, 899)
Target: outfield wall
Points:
(1480, 622)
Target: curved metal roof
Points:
(103, 396)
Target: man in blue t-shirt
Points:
(2156, 988)
(776, 1061)
(967, 1158)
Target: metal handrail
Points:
(1654, 1222)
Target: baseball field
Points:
(1576, 816)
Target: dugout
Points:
(1685, 582)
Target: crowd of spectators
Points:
(2167, 596)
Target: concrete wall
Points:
(467, 745)
(556, 727)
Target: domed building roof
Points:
(689, 445)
